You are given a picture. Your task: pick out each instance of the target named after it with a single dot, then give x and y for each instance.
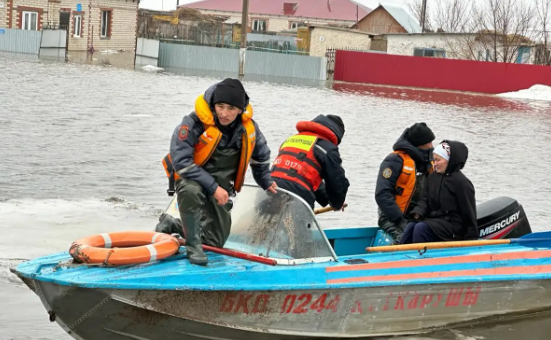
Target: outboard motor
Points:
(501, 217)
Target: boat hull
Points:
(115, 314)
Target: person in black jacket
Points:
(402, 176)
(447, 209)
(309, 163)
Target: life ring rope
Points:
(124, 248)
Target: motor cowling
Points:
(502, 217)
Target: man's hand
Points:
(272, 188)
(221, 196)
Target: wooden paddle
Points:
(326, 209)
(533, 237)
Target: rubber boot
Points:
(192, 230)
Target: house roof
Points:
(325, 27)
(404, 19)
(321, 9)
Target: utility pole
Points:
(423, 16)
(243, 47)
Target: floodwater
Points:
(81, 145)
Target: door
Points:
(64, 20)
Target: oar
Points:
(234, 253)
(533, 237)
(326, 209)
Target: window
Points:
(523, 55)
(77, 26)
(105, 24)
(484, 55)
(294, 25)
(429, 52)
(259, 25)
(30, 21)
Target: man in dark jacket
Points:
(309, 163)
(447, 209)
(209, 157)
(401, 177)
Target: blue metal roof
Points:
(403, 18)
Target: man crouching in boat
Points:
(401, 178)
(447, 209)
(210, 151)
(309, 163)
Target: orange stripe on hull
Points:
(519, 270)
(445, 260)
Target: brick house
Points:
(282, 15)
(97, 24)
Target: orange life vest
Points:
(296, 161)
(405, 185)
(210, 139)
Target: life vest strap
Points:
(277, 172)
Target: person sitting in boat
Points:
(209, 154)
(401, 178)
(309, 163)
(447, 209)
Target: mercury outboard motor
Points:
(501, 217)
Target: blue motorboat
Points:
(324, 283)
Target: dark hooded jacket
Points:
(335, 185)
(385, 190)
(211, 175)
(448, 202)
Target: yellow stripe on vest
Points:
(300, 142)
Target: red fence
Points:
(437, 73)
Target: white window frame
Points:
(27, 20)
(77, 26)
(259, 25)
(105, 18)
(294, 25)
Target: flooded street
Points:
(81, 148)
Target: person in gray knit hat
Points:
(402, 175)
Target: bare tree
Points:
(454, 19)
(416, 8)
(503, 27)
(543, 10)
(453, 15)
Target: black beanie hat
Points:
(419, 134)
(231, 91)
(337, 120)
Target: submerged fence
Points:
(46, 42)
(176, 55)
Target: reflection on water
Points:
(477, 101)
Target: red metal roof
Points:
(322, 9)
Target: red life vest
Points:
(296, 161)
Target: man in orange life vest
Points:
(309, 163)
(209, 155)
(402, 175)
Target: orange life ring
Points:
(135, 247)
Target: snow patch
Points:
(536, 92)
(152, 68)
